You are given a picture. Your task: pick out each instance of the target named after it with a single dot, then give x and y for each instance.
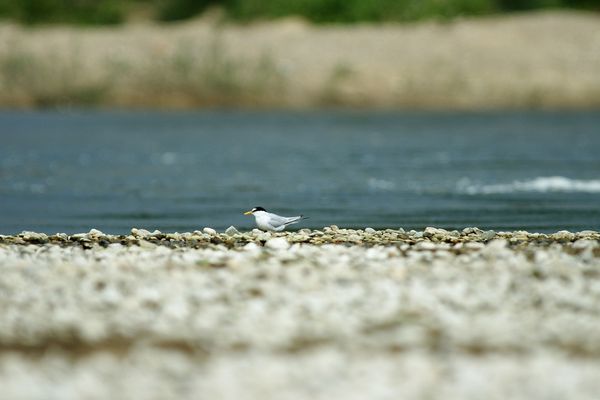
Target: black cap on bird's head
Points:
(254, 210)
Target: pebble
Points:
(425, 246)
(95, 233)
(488, 235)
(587, 234)
(251, 246)
(33, 236)
(142, 233)
(209, 231)
(564, 236)
(497, 244)
(231, 231)
(585, 244)
(354, 238)
(277, 243)
(474, 245)
(430, 231)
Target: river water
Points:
(70, 171)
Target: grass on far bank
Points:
(190, 75)
(502, 62)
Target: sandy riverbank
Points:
(546, 59)
(332, 313)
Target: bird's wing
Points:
(278, 220)
(293, 220)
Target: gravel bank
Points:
(330, 313)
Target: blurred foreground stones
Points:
(331, 313)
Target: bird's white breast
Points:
(262, 220)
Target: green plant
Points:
(173, 10)
(64, 11)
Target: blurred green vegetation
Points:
(64, 11)
(114, 11)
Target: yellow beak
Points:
(248, 212)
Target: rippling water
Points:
(72, 171)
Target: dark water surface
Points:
(72, 171)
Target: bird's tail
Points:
(294, 220)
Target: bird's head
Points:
(255, 209)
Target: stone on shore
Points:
(231, 231)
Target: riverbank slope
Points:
(542, 59)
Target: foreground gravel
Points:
(333, 313)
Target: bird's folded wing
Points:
(292, 220)
(277, 220)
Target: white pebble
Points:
(209, 231)
(277, 244)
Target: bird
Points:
(272, 222)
